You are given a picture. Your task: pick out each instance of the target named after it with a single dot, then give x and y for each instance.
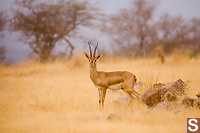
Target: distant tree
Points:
(158, 52)
(195, 28)
(42, 25)
(131, 28)
(2, 20)
(2, 54)
(174, 33)
(2, 26)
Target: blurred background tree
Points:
(131, 28)
(195, 34)
(174, 33)
(2, 27)
(2, 20)
(134, 31)
(2, 54)
(43, 24)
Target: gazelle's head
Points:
(93, 58)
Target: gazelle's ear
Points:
(99, 56)
(86, 55)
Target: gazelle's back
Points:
(116, 77)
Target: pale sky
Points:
(16, 50)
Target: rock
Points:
(170, 83)
(198, 102)
(165, 93)
(125, 99)
(191, 102)
(163, 90)
(151, 97)
(147, 94)
(113, 116)
(122, 99)
(165, 105)
(178, 107)
(161, 105)
(188, 102)
(158, 86)
(169, 97)
(138, 85)
(198, 95)
(177, 88)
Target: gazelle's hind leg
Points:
(131, 91)
(128, 87)
(136, 94)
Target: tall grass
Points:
(59, 96)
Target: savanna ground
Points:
(59, 96)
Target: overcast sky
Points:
(16, 50)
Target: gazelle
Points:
(110, 80)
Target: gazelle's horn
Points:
(95, 50)
(90, 49)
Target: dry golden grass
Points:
(60, 97)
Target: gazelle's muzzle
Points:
(92, 64)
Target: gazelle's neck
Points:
(93, 73)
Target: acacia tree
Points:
(42, 25)
(131, 28)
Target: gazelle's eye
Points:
(95, 60)
(89, 60)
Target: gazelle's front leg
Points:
(102, 94)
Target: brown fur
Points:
(110, 80)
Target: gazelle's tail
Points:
(135, 79)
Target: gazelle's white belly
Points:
(112, 87)
(116, 86)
